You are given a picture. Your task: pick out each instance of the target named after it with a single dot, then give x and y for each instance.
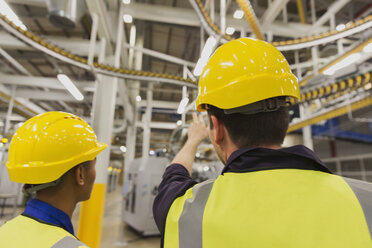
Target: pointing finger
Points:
(195, 117)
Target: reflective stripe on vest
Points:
(192, 215)
(272, 208)
(363, 191)
(68, 242)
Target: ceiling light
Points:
(138, 98)
(206, 52)
(230, 30)
(127, 18)
(70, 86)
(9, 13)
(368, 48)
(340, 27)
(238, 14)
(182, 106)
(351, 59)
(123, 149)
(179, 123)
(126, 1)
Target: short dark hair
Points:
(253, 130)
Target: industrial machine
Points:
(141, 186)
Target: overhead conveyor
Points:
(65, 56)
(351, 28)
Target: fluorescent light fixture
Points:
(206, 52)
(70, 86)
(238, 14)
(123, 149)
(368, 48)
(340, 27)
(126, 1)
(230, 30)
(127, 18)
(9, 13)
(182, 106)
(179, 123)
(138, 98)
(349, 60)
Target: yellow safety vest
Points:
(23, 231)
(272, 208)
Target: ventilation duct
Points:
(66, 13)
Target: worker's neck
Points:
(64, 202)
(232, 148)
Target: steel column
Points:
(147, 121)
(91, 216)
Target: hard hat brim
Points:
(39, 172)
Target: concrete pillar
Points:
(91, 215)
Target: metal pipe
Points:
(298, 70)
(147, 121)
(10, 110)
(313, 14)
(315, 56)
(160, 55)
(93, 38)
(212, 10)
(223, 16)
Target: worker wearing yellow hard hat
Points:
(266, 195)
(53, 154)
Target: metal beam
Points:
(62, 95)
(44, 82)
(159, 125)
(272, 12)
(75, 45)
(333, 9)
(188, 17)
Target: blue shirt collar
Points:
(46, 212)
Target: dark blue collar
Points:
(258, 158)
(47, 213)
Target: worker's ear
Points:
(218, 130)
(80, 174)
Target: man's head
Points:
(246, 87)
(52, 150)
(76, 182)
(263, 129)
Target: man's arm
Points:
(197, 132)
(177, 177)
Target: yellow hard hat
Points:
(242, 72)
(48, 145)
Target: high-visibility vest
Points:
(287, 208)
(23, 231)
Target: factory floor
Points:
(111, 226)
